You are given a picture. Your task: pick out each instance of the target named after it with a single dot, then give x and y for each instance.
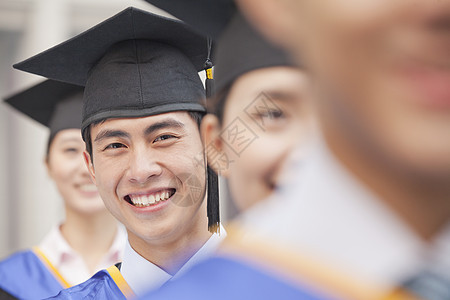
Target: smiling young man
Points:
(142, 110)
(144, 170)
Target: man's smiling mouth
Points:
(145, 200)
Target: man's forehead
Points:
(171, 119)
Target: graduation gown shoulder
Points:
(25, 276)
(105, 284)
(224, 278)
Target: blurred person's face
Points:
(66, 167)
(146, 173)
(384, 71)
(267, 113)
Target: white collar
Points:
(56, 248)
(323, 204)
(142, 275)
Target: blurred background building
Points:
(29, 202)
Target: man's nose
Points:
(143, 165)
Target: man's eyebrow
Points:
(169, 123)
(104, 134)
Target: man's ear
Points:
(273, 18)
(89, 165)
(210, 131)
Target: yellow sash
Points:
(120, 282)
(53, 270)
(301, 270)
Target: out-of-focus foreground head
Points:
(383, 68)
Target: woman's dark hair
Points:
(195, 115)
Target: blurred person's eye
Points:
(70, 150)
(269, 114)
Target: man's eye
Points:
(114, 146)
(164, 137)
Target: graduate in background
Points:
(262, 111)
(144, 101)
(368, 215)
(89, 238)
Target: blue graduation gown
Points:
(224, 278)
(29, 275)
(247, 267)
(104, 285)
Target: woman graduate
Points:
(89, 238)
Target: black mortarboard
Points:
(242, 49)
(133, 64)
(54, 104)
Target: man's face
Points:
(383, 69)
(146, 173)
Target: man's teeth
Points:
(88, 187)
(147, 200)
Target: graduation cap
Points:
(134, 64)
(54, 104)
(242, 49)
